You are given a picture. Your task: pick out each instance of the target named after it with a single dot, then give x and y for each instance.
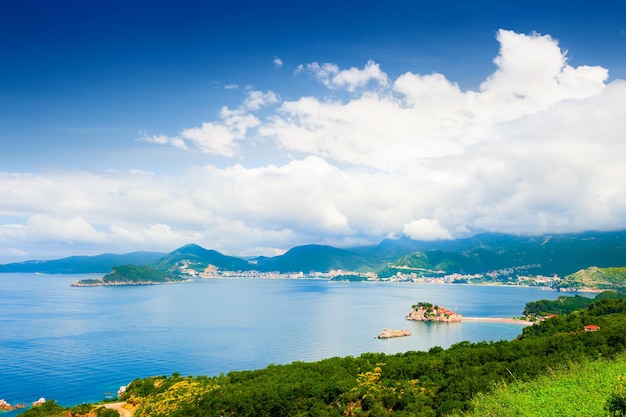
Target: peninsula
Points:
(428, 312)
(131, 275)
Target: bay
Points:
(77, 344)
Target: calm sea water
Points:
(78, 344)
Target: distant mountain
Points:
(83, 264)
(313, 258)
(560, 254)
(197, 258)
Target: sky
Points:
(253, 127)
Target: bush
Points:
(616, 404)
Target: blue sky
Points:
(252, 127)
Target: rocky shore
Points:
(5, 406)
(100, 283)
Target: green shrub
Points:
(616, 404)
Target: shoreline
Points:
(499, 320)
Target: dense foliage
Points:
(138, 274)
(565, 304)
(433, 383)
(51, 409)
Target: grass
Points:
(579, 389)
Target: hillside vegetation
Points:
(595, 278)
(576, 389)
(434, 383)
(566, 304)
(131, 275)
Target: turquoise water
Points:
(78, 344)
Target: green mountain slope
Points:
(313, 258)
(195, 258)
(595, 278)
(539, 255)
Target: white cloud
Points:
(537, 148)
(220, 137)
(426, 229)
(231, 87)
(164, 140)
(258, 99)
(427, 116)
(351, 79)
(44, 227)
(278, 63)
(533, 75)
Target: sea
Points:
(80, 344)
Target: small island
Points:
(131, 275)
(5, 406)
(388, 333)
(428, 312)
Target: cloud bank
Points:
(537, 148)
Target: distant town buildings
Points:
(508, 276)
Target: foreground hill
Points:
(585, 389)
(439, 382)
(595, 278)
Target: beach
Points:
(500, 320)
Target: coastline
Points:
(500, 320)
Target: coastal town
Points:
(508, 276)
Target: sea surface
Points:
(80, 344)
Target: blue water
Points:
(78, 344)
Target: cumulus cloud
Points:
(427, 116)
(220, 137)
(351, 79)
(537, 148)
(278, 63)
(258, 99)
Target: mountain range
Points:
(83, 264)
(559, 254)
